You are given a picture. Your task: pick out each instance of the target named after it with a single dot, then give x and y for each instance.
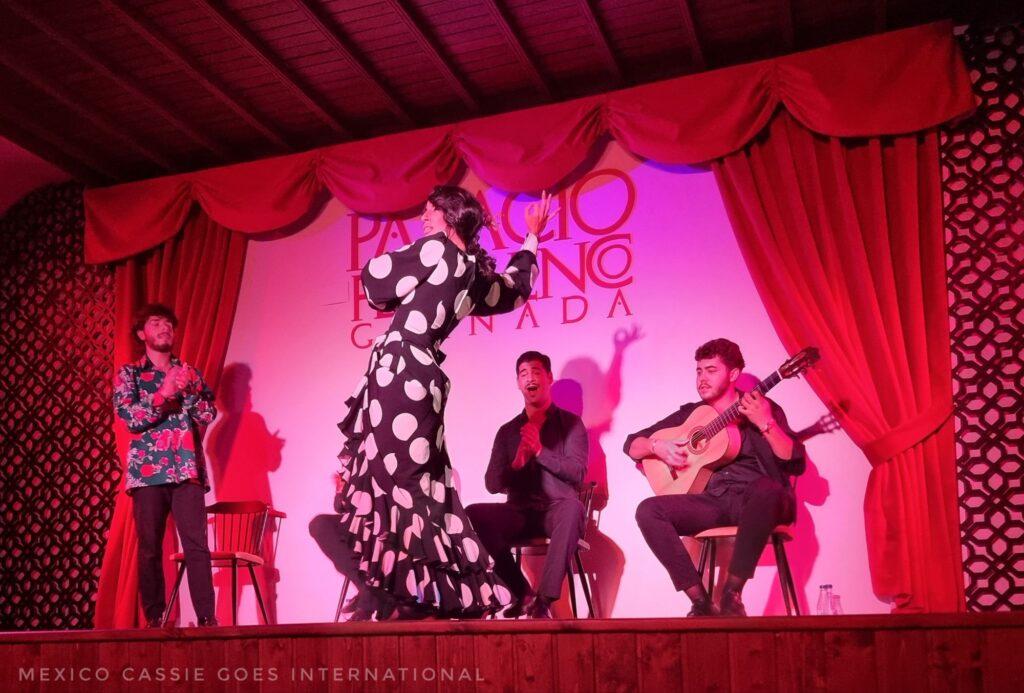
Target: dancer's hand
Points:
(538, 213)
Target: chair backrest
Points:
(238, 525)
(587, 498)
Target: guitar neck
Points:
(733, 412)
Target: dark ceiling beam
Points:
(153, 36)
(786, 31)
(433, 51)
(316, 16)
(247, 39)
(84, 111)
(22, 129)
(601, 41)
(30, 13)
(691, 40)
(879, 13)
(528, 64)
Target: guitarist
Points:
(752, 492)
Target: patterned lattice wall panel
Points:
(983, 199)
(58, 466)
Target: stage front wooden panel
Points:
(976, 652)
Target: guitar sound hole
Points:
(698, 442)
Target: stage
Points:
(976, 652)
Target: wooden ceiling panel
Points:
(452, 11)
(140, 87)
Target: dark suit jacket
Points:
(554, 473)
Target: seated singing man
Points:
(539, 460)
(752, 492)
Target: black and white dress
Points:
(405, 521)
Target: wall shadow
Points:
(242, 453)
(594, 394)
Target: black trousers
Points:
(755, 509)
(501, 525)
(331, 537)
(186, 502)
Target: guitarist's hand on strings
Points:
(757, 409)
(671, 452)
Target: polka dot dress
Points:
(405, 519)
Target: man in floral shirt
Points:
(165, 402)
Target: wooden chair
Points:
(780, 535)
(539, 547)
(238, 530)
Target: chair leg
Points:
(341, 600)
(234, 592)
(259, 595)
(702, 562)
(786, 574)
(585, 584)
(174, 594)
(572, 591)
(779, 558)
(713, 564)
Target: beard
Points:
(162, 345)
(712, 393)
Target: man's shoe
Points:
(154, 623)
(208, 622)
(730, 604)
(351, 605)
(539, 608)
(702, 607)
(518, 607)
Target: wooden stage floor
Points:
(906, 654)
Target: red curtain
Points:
(903, 81)
(844, 240)
(198, 273)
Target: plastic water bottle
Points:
(825, 600)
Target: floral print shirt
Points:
(166, 441)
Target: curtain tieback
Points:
(909, 433)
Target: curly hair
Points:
(152, 310)
(728, 351)
(466, 215)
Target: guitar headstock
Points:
(799, 362)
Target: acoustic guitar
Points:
(712, 439)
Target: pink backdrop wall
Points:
(658, 254)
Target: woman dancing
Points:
(415, 547)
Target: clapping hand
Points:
(531, 437)
(175, 380)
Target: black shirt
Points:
(556, 472)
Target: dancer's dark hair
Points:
(464, 213)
